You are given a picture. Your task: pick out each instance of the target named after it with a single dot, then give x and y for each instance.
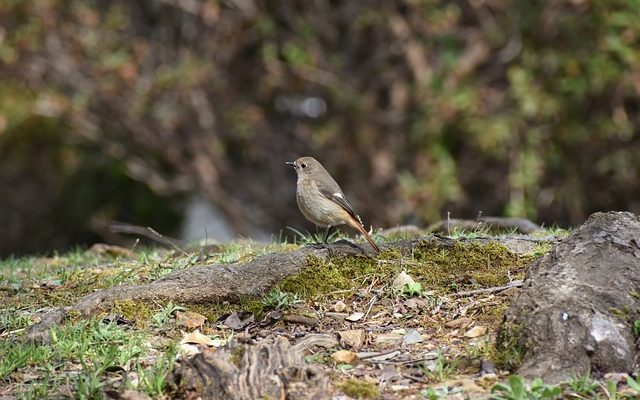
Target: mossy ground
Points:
(143, 337)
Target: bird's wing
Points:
(339, 198)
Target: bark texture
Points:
(576, 309)
(247, 372)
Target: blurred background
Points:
(180, 114)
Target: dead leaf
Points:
(476, 331)
(344, 357)
(412, 337)
(458, 322)
(413, 303)
(402, 279)
(388, 338)
(356, 316)
(189, 350)
(339, 306)
(352, 338)
(234, 322)
(196, 337)
(190, 319)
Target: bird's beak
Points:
(291, 164)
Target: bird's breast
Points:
(317, 208)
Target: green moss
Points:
(360, 389)
(320, 277)
(541, 249)
(489, 264)
(74, 316)
(442, 269)
(623, 313)
(137, 312)
(390, 254)
(509, 349)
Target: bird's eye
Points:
(303, 165)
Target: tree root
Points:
(215, 283)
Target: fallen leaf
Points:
(196, 337)
(344, 357)
(352, 338)
(356, 316)
(402, 279)
(387, 338)
(412, 337)
(339, 306)
(458, 322)
(234, 322)
(414, 303)
(476, 331)
(190, 319)
(189, 350)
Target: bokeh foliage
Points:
(503, 107)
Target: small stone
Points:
(344, 357)
(339, 306)
(476, 331)
(412, 337)
(352, 338)
(487, 368)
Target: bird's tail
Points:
(358, 226)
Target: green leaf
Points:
(634, 384)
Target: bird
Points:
(321, 200)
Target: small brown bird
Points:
(321, 200)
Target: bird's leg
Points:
(326, 234)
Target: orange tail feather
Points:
(366, 235)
